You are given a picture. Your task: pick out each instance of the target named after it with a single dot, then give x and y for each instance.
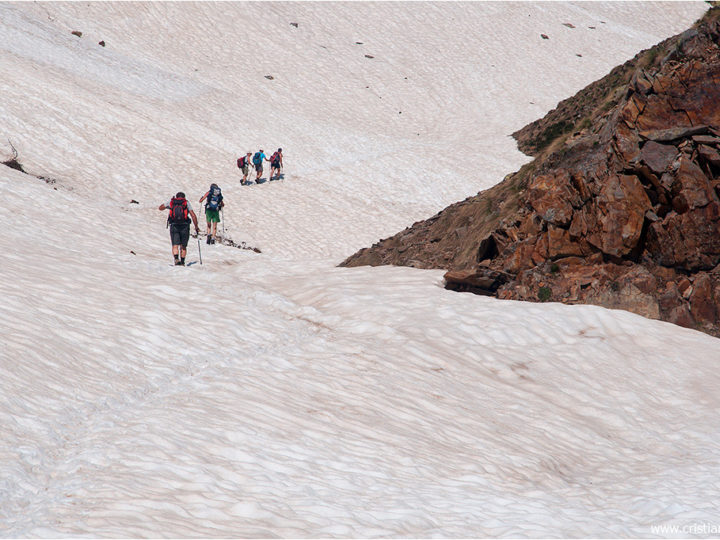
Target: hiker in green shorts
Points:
(212, 211)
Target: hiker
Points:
(179, 221)
(276, 163)
(258, 162)
(212, 210)
(243, 164)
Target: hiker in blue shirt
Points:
(258, 162)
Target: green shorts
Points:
(212, 216)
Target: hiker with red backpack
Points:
(179, 222)
(276, 163)
(243, 164)
(212, 210)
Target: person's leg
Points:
(185, 237)
(175, 241)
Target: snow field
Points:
(272, 394)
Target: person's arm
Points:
(162, 207)
(194, 220)
(203, 197)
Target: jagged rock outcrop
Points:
(620, 207)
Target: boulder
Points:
(658, 157)
(481, 281)
(673, 133)
(709, 155)
(616, 219)
(553, 198)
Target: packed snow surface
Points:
(270, 393)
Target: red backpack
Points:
(241, 162)
(178, 211)
(275, 158)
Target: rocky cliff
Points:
(620, 207)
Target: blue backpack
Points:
(214, 198)
(257, 158)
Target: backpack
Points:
(241, 162)
(178, 211)
(275, 159)
(214, 198)
(257, 158)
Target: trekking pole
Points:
(222, 214)
(199, 251)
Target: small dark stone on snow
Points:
(569, 25)
(14, 164)
(591, 27)
(131, 251)
(544, 36)
(294, 24)
(358, 43)
(76, 33)
(134, 202)
(101, 43)
(369, 56)
(580, 55)
(269, 77)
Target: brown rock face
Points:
(622, 211)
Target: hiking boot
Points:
(209, 239)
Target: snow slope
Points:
(273, 394)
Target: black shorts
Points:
(180, 234)
(258, 167)
(275, 165)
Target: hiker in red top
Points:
(179, 221)
(276, 162)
